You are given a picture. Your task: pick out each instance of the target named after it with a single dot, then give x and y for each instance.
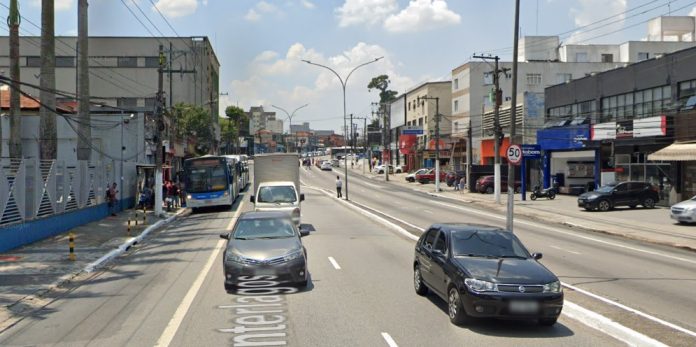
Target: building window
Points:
(65, 61)
(643, 56)
(563, 77)
(607, 58)
(33, 61)
(456, 105)
(127, 62)
(151, 61)
(456, 83)
(127, 102)
(686, 90)
(487, 78)
(533, 79)
(581, 57)
(150, 103)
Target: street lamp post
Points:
(290, 115)
(123, 148)
(343, 84)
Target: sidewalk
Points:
(30, 272)
(650, 225)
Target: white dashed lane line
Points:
(334, 263)
(389, 340)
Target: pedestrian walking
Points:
(462, 184)
(339, 186)
(111, 198)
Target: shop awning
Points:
(676, 152)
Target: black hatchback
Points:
(629, 194)
(485, 271)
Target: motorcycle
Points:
(543, 193)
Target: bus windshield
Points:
(206, 177)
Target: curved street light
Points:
(343, 84)
(290, 115)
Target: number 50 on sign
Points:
(514, 154)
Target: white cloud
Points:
(587, 13)
(177, 8)
(307, 4)
(286, 81)
(422, 15)
(59, 5)
(252, 15)
(255, 13)
(357, 12)
(693, 12)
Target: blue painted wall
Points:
(18, 235)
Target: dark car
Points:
(629, 194)
(265, 243)
(486, 184)
(454, 177)
(484, 271)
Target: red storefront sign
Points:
(407, 144)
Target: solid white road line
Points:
(390, 341)
(173, 325)
(334, 263)
(565, 250)
(428, 211)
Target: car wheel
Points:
(552, 196)
(648, 203)
(418, 284)
(489, 190)
(547, 322)
(604, 206)
(517, 190)
(229, 288)
(302, 284)
(533, 196)
(632, 206)
(455, 309)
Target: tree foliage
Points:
(381, 83)
(240, 120)
(194, 122)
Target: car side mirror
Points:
(225, 236)
(303, 232)
(251, 199)
(301, 197)
(537, 256)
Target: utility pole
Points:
(437, 138)
(85, 134)
(159, 126)
(47, 119)
(469, 154)
(13, 21)
(496, 125)
(513, 116)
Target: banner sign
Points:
(531, 151)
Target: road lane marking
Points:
(428, 211)
(632, 310)
(334, 263)
(565, 250)
(389, 340)
(619, 327)
(168, 334)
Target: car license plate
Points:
(208, 202)
(524, 306)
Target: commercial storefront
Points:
(488, 151)
(567, 160)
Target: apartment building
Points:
(422, 103)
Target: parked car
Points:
(685, 211)
(429, 176)
(264, 243)
(335, 162)
(326, 165)
(629, 194)
(379, 169)
(486, 184)
(411, 176)
(485, 271)
(453, 177)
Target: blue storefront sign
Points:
(531, 151)
(564, 138)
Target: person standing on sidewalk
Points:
(339, 186)
(462, 183)
(111, 199)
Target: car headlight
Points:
(480, 286)
(234, 258)
(293, 255)
(227, 193)
(592, 197)
(553, 287)
(188, 196)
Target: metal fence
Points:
(31, 189)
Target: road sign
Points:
(412, 130)
(514, 154)
(531, 151)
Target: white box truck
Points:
(277, 184)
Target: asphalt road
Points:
(360, 295)
(659, 281)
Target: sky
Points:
(261, 44)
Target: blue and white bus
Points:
(240, 164)
(210, 181)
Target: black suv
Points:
(629, 194)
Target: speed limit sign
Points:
(514, 154)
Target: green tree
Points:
(381, 83)
(194, 122)
(237, 124)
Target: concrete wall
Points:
(630, 50)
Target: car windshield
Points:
(487, 243)
(606, 189)
(266, 228)
(277, 194)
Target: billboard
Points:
(397, 111)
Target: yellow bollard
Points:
(71, 239)
(136, 218)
